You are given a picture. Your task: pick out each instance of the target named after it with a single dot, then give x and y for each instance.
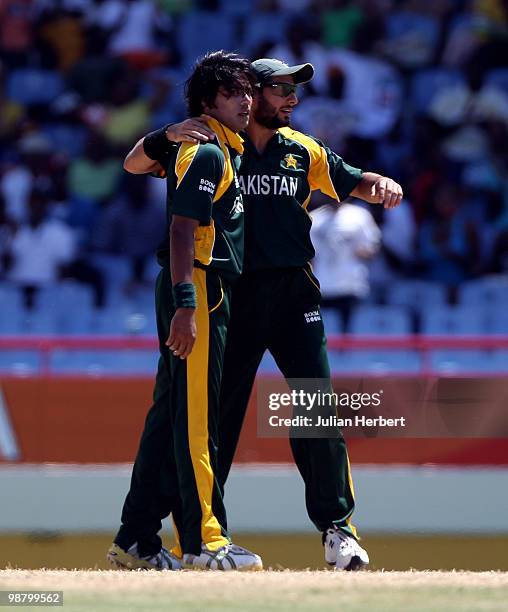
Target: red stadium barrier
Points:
(422, 343)
(54, 417)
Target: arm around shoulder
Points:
(137, 161)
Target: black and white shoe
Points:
(343, 551)
(227, 558)
(131, 560)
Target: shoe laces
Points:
(223, 552)
(335, 536)
(161, 560)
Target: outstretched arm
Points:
(377, 189)
(333, 176)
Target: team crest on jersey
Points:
(289, 161)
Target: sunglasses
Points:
(283, 90)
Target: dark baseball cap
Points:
(266, 69)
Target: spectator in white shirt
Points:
(39, 250)
(345, 238)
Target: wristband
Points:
(184, 295)
(156, 143)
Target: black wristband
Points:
(156, 143)
(184, 295)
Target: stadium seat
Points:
(110, 321)
(498, 78)
(496, 321)
(491, 291)
(200, 31)
(426, 83)
(142, 323)
(238, 7)
(331, 321)
(414, 36)
(115, 269)
(500, 361)
(75, 323)
(19, 362)
(375, 362)
(262, 27)
(380, 320)
(11, 299)
(64, 297)
(33, 323)
(66, 139)
(453, 320)
(172, 107)
(65, 308)
(11, 323)
(34, 86)
(123, 320)
(416, 294)
(143, 301)
(98, 363)
(461, 361)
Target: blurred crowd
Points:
(414, 89)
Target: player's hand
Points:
(387, 192)
(193, 130)
(182, 333)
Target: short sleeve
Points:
(199, 169)
(165, 160)
(331, 174)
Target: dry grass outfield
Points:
(90, 591)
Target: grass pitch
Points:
(281, 591)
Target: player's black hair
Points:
(216, 69)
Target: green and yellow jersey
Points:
(277, 186)
(202, 184)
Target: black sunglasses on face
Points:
(282, 90)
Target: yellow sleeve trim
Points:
(319, 170)
(227, 175)
(186, 154)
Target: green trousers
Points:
(268, 313)
(175, 471)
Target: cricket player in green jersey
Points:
(176, 465)
(277, 292)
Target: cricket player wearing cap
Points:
(277, 290)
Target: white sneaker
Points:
(130, 559)
(343, 551)
(227, 558)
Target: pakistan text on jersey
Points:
(264, 184)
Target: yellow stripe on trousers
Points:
(177, 548)
(351, 486)
(197, 415)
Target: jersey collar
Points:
(226, 135)
(276, 141)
